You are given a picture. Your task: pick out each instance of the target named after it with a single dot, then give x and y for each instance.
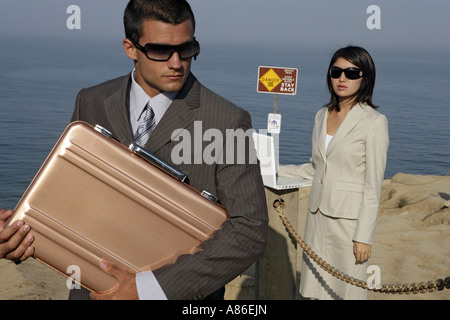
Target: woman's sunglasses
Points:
(350, 73)
(163, 52)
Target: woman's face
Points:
(343, 87)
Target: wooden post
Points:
(276, 270)
(275, 107)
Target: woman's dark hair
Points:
(167, 11)
(362, 59)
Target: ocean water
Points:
(40, 78)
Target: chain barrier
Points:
(414, 288)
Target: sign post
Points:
(276, 270)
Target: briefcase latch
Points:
(210, 196)
(103, 131)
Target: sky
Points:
(262, 22)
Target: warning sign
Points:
(277, 80)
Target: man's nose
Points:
(175, 61)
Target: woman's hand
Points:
(362, 251)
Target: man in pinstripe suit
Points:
(160, 40)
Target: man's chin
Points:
(174, 86)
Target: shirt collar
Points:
(139, 99)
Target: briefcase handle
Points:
(157, 162)
(177, 174)
(149, 157)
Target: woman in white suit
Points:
(349, 147)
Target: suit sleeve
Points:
(233, 248)
(304, 171)
(377, 143)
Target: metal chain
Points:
(421, 287)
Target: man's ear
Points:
(130, 49)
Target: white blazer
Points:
(348, 176)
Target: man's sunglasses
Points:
(163, 52)
(350, 73)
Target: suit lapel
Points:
(355, 115)
(322, 132)
(116, 107)
(179, 115)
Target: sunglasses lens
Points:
(335, 73)
(350, 73)
(188, 50)
(158, 52)
(353, 74)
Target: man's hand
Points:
(127, 283)
(15, 242)
(361, 251)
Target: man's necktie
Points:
(145, 127)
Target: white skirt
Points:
(331, 239)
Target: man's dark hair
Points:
(167, 11)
